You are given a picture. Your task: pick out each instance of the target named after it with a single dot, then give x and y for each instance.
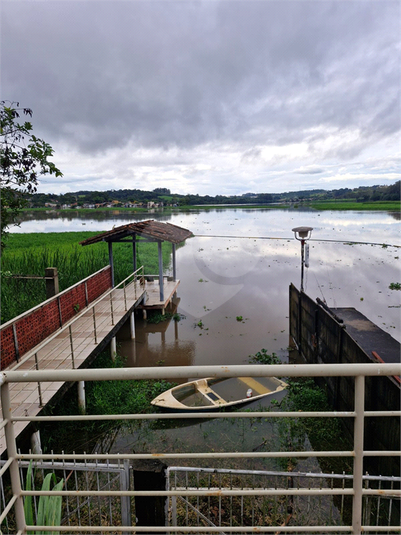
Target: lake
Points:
(236, 271)
(233, 297)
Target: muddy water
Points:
(240, 264)
(233, 293)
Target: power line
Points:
(351, 242)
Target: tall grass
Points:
(31, 254)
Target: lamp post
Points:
(302, 234)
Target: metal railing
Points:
(357, 492)
(124, 285)
(251, 510)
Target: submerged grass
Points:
(31, 254)
(388, 206)
(102, 397)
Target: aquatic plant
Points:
(395, 286)
(49, 507)
(263, 357)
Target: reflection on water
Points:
(234, 291)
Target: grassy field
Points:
(31, 254)
(389, 206)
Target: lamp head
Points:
(302, 233)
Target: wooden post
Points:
(52, 286)
(150, 474)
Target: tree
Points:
(23, 157)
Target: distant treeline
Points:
(163, 195)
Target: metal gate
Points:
(245, 507)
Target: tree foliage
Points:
(24, 157)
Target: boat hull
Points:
(210, 394)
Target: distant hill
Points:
(163, 195)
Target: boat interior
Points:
(209, 392)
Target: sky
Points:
(215, 97)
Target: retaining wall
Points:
(20, 335)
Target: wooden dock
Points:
(152, 301)
(78, 343)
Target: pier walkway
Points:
(78, 342)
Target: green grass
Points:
(31, 254)
(391, 206)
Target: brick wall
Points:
(36, 325)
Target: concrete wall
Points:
(32, 327)
(321, 338)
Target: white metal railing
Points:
(135, 276)
(357, 491)
(311, 509)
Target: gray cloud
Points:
(104, 75)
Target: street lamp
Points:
(302, 234)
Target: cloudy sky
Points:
(209, 97)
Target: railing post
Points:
(72, 347)
(125, 298)
(16, 342)
(125, 500)
(59, 312)
(111, 308)
(94, 324)
(86, 294)
(12, 454)
(39, 386)
(359, 405)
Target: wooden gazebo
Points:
(143, 231)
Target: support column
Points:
(81, 397)
(174, 262)
(132, 325)
(134, 252)
(159, 244)
(113, 348)
(359, 407)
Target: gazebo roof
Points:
(147, 229)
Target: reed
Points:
(31, 254)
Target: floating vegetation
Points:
(395, 286)
(159, 318)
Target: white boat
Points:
(213, 394)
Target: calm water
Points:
(241, 263)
